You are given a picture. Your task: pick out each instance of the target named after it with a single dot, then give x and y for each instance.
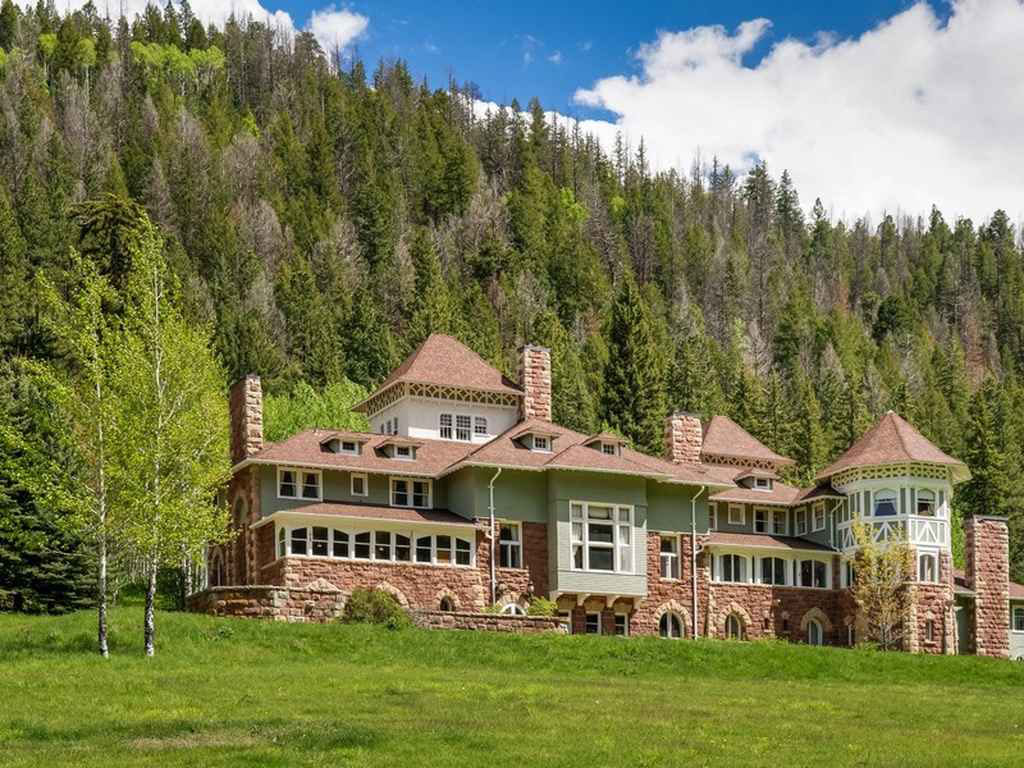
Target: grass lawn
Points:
(228, 692)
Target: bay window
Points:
(376, 545)
(339, 543)
(732, 568)
(299, 541)
(601, 537)
(361, 551)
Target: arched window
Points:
(815, 634)
(885, 503)
(513, 609)
(670, 626)
(216, 574)
(927, 568)
(926, 502)
(734, 628)
(447, 604)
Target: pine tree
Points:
(985, 492)
(634, 396)
(432, 310)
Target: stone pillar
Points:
(684, 437)
(535, 379)
(986, 549)
(245, 402)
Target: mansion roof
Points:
(765, 541)
(724, 437)
(894, 441)
(780, 494)
(380, 512)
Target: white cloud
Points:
(913, 112)
(336, 28)
(556, 57)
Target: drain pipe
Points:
(693, 560)
(494, 537)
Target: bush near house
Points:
(374, 606)
(230, 692)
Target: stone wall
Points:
(684, 438)
(675, 595)
(535, 379)
(315, 603)
(490, 622)
(986, 549)
(776, 612)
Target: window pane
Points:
(509, 533)
(577, 556)
(780, 571)
(340, 544)
(382, 550)
(444, 549)
(400, 493)
(420, 494)
(624, 534)
(310, 485)
(576, 511)
(423, 549)
(577, 531)
(601, 559)
(668, 544)
(462, 552)
(299, 541)
(320, 541)
(806, 573)
(600, 533)
(362, 547)
(819, 574)
(480, 425)
(599, 513)
(403, 548)
(287, 487)
(621, 624)
(593, 624)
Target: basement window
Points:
(1018, 619)
(622, 624)
(593, 624)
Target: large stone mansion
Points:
(465, 500)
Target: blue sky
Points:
(545, 49)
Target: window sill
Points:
(299, 498)
(669, 579)
(362, 561)
(511, 570)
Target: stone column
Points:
(684, 438)
(245, 403)
(535, 379)
(988, 570)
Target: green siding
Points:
(462, 494)
(669, 508)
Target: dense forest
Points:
(322, 219)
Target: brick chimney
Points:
(684, 437)
(987, 560)
(245, 402)
(535, 379)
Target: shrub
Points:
(375, 606)
(541, 606)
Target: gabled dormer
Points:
(399, 449)
(757, 480)
(606, 443)
(537, 439)
(343, 444)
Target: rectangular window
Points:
(403, 548)
(1018, 619)
(593, 624)
(713, 516)
(540, 443)
(601, 537)
(299, 541)
(801, 522)
(733, 568)
(608, 449)
(443, 549)
(423, 549)
(763, 483)
(929, 631)
(510, 551)
(358, 485)
(736, 515)
(361, 551)
(463, 552)
(382, 545)
(622, 625)
(406, 492)
(311, 485)
(403, 452)
(480, 426)
(286, 487)
(773, 571)
(813, 574)
(779, 526)
(819, 516)
(567, 616)
(761, 518)
(462, 427)
(670, 557)
(340, 544)
(349, 446)
(445, 426)
(321, 541)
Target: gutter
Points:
(494, 538)
(693, 560)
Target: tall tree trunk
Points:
(148, 627)
(101, 597)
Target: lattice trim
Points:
(738, 461)
(889, 471)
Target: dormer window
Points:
(609, 449)
(338, 445)
(763, 483)
(541, 443)
(404, 452)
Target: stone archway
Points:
(440, 599)
(816, 613)
(674, 606)
(737, 610)
(395, 593)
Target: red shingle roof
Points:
(380, 512)
(780, 494)
(894, 441)
(765, 541)
(962, 585)
(724, 437)
(445, 361)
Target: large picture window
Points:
(601, 537)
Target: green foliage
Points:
(541, 606)
(304, 408)
(375, 606)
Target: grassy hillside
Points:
(234, 692)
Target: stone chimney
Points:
(535, 379)
(987, 560)
(684, 438)
(245, 402)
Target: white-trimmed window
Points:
(737, 516)
(510, 546)
(409, 492)
(463, 425)
(773, 571)
(847, 573)
(405, 452)
(811, 573)
(670, 626)
(732, 568)
(885, 503)
(321, 541)
(713, 516)
(800, 521)
(926, 502)
(762, 518)
(442, 549)
(1018, 619)
(762, 483)
(299, 541)
(602, 537)
(927, 567)
(480, 426)
(780, 522)
(622, 624)
(445, 426)
(592, 625)
(819, 516)
(610, 449)
(349, 446)
(669, 557)
(358, 484)
(362, 549)
(295, 483)
(340, 543)
(541, 443)
(815, 634)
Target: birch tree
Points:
(173, 459)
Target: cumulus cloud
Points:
(915, 111)
(336, 28)
(556, 57)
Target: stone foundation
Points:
(490, 622)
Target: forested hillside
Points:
(325, 219)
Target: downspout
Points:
(693, 560)
(494, 575)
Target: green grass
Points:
(224, 692)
